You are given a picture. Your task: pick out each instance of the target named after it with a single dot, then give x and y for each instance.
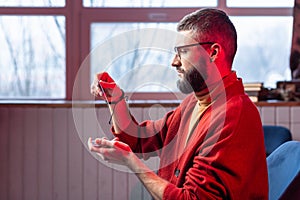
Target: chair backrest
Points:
(283, 167)
(275, 136)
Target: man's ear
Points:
(215, 50)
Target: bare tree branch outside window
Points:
(33, 56)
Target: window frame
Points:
(78, 21)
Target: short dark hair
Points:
(212, 25)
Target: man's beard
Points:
(192, 81)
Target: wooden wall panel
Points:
(120, 185)
(105, 182)
(90, 164)
(295, 123)
(44, 155)
(15, 154)
(283, 116)
(105, 173)
(75, 157)
(134, 186)
(60, 153)
(30, 154)
(268, 115)
(4, 133)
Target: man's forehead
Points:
(185, 37)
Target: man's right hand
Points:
(105, 87)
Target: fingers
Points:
(118, 144)
(122, 146)
(99, 143)
(95, 90)
(109, 150)
(99, 146)
(91, 145)
(111, 91)
(104, 86)
(107, 90)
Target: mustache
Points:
(180, 69)
(195, 73)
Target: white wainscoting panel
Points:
(44, 155)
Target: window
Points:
(45, 44)
(263, 48)
(33, 49)
(137, 55)
(32, 3)
(32, 58)
(148, 3)
(260, 3)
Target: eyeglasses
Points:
(181, 49)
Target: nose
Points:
(176, 61)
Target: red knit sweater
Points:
(225, 156)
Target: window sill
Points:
(83, 104)
(132, 103)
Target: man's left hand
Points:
(113, 151)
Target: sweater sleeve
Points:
(148, 137)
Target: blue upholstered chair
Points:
(283, 169)
(293, 190)
(275, 136)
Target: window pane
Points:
(149, 3)
(139, 59)
(32, 58)
(33, 3)
(260, 3)
(262, 56)
(263, 48)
